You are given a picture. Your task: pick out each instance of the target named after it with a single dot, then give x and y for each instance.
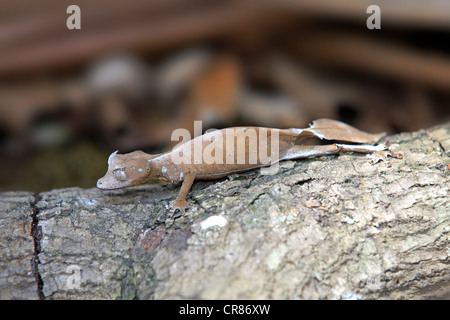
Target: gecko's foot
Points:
(383, 155)
(178, 204)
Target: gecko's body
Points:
(222, 152)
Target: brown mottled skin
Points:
(138, 167)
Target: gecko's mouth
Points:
(105, 183)
(100, 184)
(103, 186)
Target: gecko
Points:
(220, 157)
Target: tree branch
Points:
(333, 227)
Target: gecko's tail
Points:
(335, 130)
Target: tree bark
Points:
(333, 227)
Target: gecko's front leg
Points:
(180, 201)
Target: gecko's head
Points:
(125, 170)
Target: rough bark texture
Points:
(333, 227)
(18, 276)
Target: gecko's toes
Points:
(178, 204)
(378, 156)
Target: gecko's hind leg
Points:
(303, 151)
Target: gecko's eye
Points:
(119, 174)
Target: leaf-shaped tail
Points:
(335, 130)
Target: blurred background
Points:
(139, 69)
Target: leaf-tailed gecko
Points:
(213, 156)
